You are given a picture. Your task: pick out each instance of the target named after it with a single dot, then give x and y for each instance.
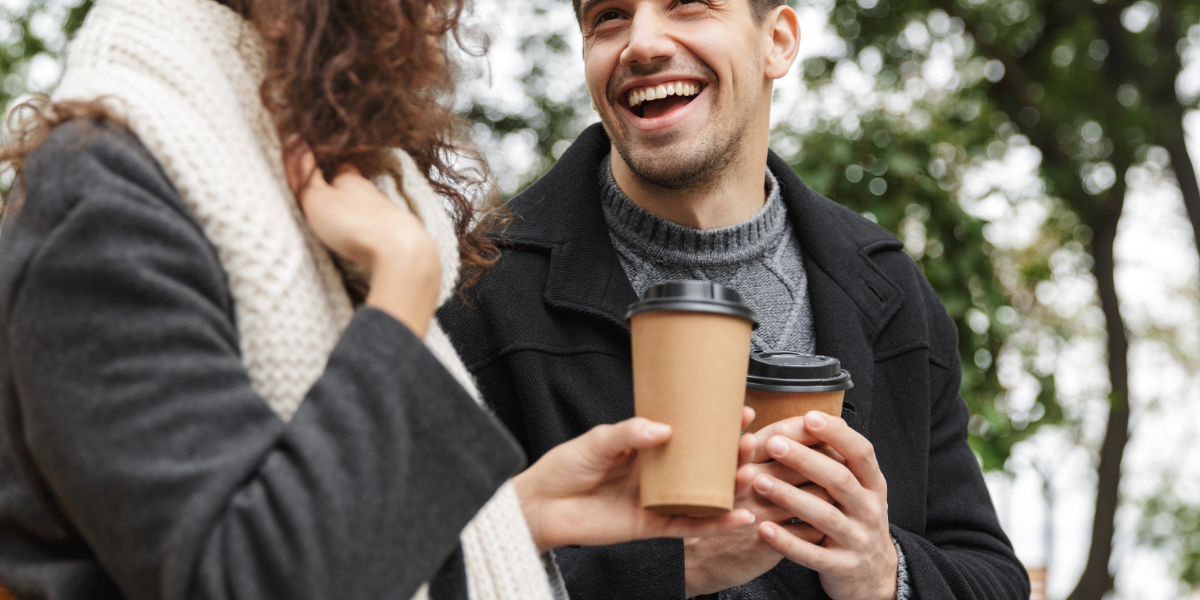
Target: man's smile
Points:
(659, 104)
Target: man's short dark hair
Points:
(759, 8)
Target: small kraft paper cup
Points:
(781, 385)
(690, 340)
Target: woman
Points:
(192, 405)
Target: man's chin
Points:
(674, 161)
(671, 170)
(672, 158)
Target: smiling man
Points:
(678, 183)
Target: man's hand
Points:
(856, 560)
(715, 563)
(586, 492)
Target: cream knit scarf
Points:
(186, 73)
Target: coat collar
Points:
(561, 212)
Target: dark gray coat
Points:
(544, 333)
(137, 462)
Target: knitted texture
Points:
(903, 589)
(760, 258)
(489, 544)
(186, 75)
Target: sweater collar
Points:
(562, 213)
(652, 236)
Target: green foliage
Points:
(1096, 87)
(1088, 90)
(552, 120)
(34, 31)
(22, 41)
(1172, 523)
(885, 175)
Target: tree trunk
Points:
(1097, 579)
(1185, 174)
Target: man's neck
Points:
(735, 197)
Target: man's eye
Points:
(607, 15)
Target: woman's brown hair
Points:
(352, 79)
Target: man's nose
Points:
(648, 39)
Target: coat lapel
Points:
(562, 212)
(851, 299)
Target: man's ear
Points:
(781, 29)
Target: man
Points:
(679, 184)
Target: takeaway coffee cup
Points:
(780, 385)
(689, 370)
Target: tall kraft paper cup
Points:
(689, 370)
(781, 385)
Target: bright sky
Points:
(1157, 277)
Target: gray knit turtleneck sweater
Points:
(760, 258)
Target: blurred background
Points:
(1036, 159)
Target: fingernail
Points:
(767, 531)
(764, 484)
(744, 517)
(777, 447)
(657, 430)
(816, 419)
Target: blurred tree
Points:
(32, 38)
(901, 179)
(1169, 521)
(1093, 86)
(30, 31)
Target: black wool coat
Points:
(544, 334)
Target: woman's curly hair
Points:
(352, 79)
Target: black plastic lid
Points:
(794, 372)
(694, 296)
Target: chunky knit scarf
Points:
(186, 74)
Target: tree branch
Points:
(1014, 85)
(1185, 174)
(1097, 580)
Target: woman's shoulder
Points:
(82, 160)
(91, 194)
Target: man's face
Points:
(677, 83)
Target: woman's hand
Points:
(357, 222)
(586, 492)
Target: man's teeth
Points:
(655, 92)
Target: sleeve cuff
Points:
(557, 585)
(903, 589)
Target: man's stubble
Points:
(714, 155)
(712, 158)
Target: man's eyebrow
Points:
(587, 5)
